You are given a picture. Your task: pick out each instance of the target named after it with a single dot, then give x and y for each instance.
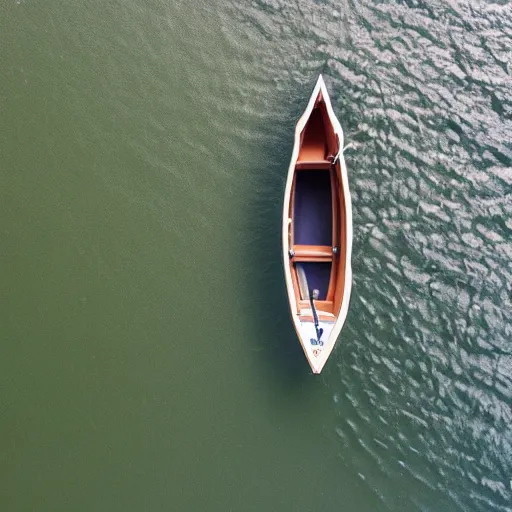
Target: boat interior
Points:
(314, 233)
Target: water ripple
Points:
(424, 388)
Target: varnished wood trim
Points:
(291, 227)
(312, 259)
(321, 317)
(311, 166)
(320, 305)
(313, 251)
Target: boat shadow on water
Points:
(279, 349)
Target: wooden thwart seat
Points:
(318, 253)
(309, 165)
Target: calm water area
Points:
(148, 358)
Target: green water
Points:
(149, 362)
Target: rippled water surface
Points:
(149, 362)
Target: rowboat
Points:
(317, 230)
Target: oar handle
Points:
(315, 316)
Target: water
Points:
(149, 362)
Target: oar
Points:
(312, 295)
(319, 331)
